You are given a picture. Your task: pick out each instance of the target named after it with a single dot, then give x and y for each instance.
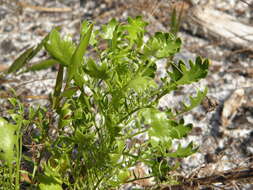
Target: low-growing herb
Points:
(106, 96)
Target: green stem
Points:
(58, 87)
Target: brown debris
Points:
(231, 106)
(227, 176)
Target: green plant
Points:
(104, 98)
(11, 146)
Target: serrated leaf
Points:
(136, 28)
(162, 45)
(161, 128)
(8, 140)
(44, 64)
(179, 130)
(197, 71)
(141, 83)
(182, 152)
(59, 48)
(97, 71)
(108, 30)
(84, 30)
(194, 101)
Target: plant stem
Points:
(58, 87)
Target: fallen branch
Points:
(232, 175)
(207, 21)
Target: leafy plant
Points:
(108, 98)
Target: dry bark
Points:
(233, 175)
(210, 22)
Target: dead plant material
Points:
(3, 68)
(231, 106)
(208, 22)
(225, 177)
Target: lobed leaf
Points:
(182, 152)
(163, 130)
(162, 45)
(196, 71)
(108, 29)
(59, 48)
(141, 83)
(194, 101)
(136, 29)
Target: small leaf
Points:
(162, 130)
(123, 175)
(162, 45)
(97, 71)
(50, 180)
(84, 30)
(182, 152)
(108, 30)
(197, 71)
(48, 183)
(136, 28)
(69, 92)
(194, 101)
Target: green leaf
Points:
(44, 64)
(115, 158)
(123, 175)
(25, 57)
(179, 130)
(50, 180)
(148, 69)
(197, 71)
(108, 30)
(182, 152)
(97, 71)
(84, 29)
(141, 83)
(49, 183)
(59, 48)
(69, 92)
(77, 58)
(162, 130)
(136, 28)
(21, 61)
(162, 45)
(8, 139)
(194, 101)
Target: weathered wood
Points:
(213, 23)
(191, 184)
